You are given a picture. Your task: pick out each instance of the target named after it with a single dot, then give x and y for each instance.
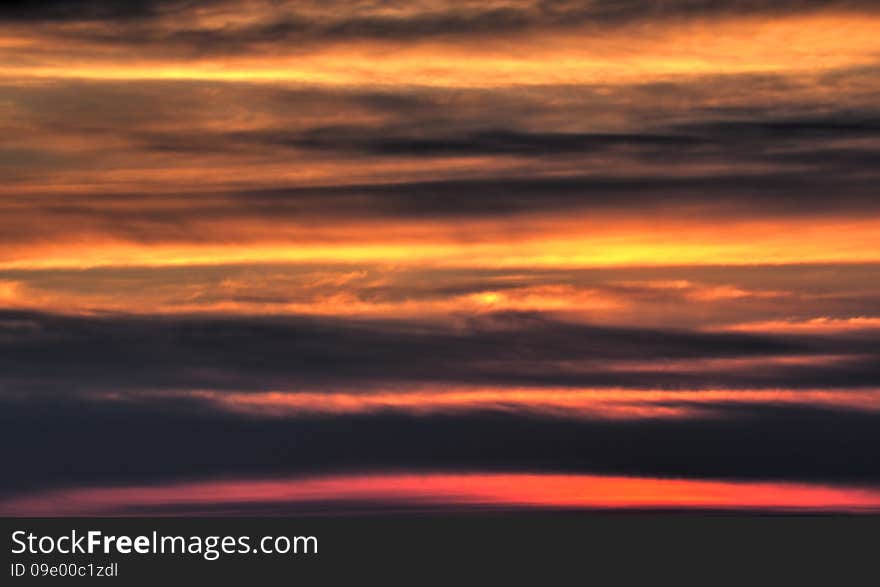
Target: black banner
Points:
(532, 548)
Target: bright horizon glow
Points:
(449, 490)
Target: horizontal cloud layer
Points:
(447, 492)
(184, 439)
(108, 354)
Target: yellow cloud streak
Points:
(620, 55)
(619, 243)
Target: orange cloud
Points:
(571, 403)
(625, 241)
(799, 43)
(812, 326)
(429, 490)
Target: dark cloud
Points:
(753, 194)
(427, 133)
(351, 20)
(66, 442)
(830, 126)
(58, 354)
(91, 10)
(486, 142)
(642, 10)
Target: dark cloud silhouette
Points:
(30, 11)
(65, 442)
(753, 194)
(830, 126)
(754, 139)
(87, 354)
(347, 19)
(488, 142)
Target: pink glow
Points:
(584, 403)
(465, 490)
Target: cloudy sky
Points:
(266, 256)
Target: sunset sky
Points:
(268, 256)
